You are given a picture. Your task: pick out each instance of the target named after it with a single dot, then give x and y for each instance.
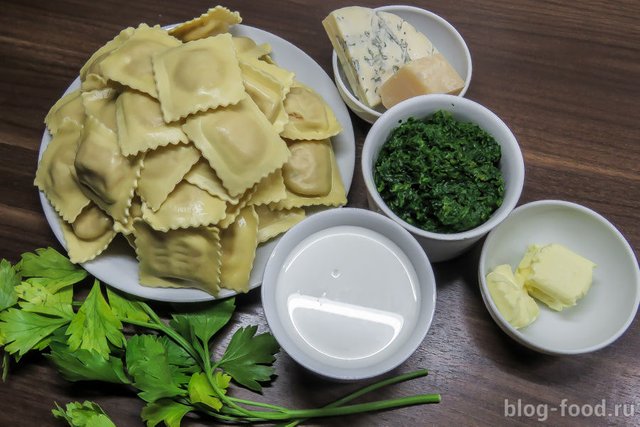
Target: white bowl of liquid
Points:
(349, 294)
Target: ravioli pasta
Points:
(176, 141)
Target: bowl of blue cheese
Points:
(385, 55)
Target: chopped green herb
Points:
(440, 174)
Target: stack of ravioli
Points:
(192, 143)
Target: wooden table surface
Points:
(562, 75)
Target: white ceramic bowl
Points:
(440, 246)
(342, 294)
(609, 307)
(443, 36)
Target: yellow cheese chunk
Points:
(558, 277)
(511, 299)
(431, 74)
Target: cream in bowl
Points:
(447, 198)
(348, 294)
(384, 55)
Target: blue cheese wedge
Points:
(372, 45)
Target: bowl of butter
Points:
(385, 55)
(559, 278)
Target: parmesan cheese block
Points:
(371, 46)
(431, 74)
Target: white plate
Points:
(118, 266)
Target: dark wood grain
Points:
(564, 77)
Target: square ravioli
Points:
(56, 176)
(239, 142)
(163, 169)
(198, 76)
(141, 126)
(314, 182)
(186, 258)
(130, 63)
(238, 243)
(187, 206)
(270, 189)
(215, 21)
(70, 105)
(310, 117)
(89, 235)
(308, 171)
(274, 222)
(108, 178)
(101, 104)
(233, 211)
(201, 175)
(246, 48)
(91, 73)
(268, 90)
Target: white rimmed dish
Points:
(118, 266)
(343, 291)
(441, 246)
(599, 318)
(442, 34)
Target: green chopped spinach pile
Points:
(440, 174)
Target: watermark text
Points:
(541, 411)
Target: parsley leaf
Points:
(87, 414)
(9, 279)
(95, 325)
(178, 356)
(204, 324)
(52, 285)
(247, 357)
(51, 264)
(126, 309)
(166, 410)
(200, 391)
(37, 292)
(148, 363)
(23, 331)
(37, 297)
(86, 365)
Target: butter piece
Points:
(371, 46)
(524, 267)
(557, 276)
(510, 297)
(431, 74)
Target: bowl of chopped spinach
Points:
(445, 168)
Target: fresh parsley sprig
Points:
(117, 339)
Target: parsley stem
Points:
(205, 359)
(179, 339)
(140, 324)
(358, 408)
(368, 389)
(236, 413)
(259, 404)
(208, 370)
